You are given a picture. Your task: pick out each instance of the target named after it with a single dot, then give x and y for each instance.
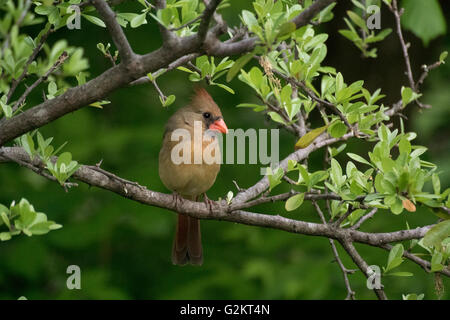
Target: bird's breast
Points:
(189, 166)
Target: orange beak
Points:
(219, 125)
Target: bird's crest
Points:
(201, 94)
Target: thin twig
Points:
(364, 218)
(33, 55)
(239, 189)
(115, 30)
(344, 216)
(177, 63)
(114, 177)
(160, 93)
(345, 271)
(398, 13)
(284, 196)
(187, 24)
(55, 66)
(426, 70)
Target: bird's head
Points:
(204, 109)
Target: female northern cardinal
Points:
(190, 180)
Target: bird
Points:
(193, 177)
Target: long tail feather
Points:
(179, 248)
(187, 245)
(194, 242)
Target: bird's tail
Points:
(187, 245)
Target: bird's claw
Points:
(209, 203)
(177, 199)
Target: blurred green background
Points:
(123, 248)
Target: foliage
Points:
(22, 218)
(289, 74)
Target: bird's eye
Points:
(206, 115)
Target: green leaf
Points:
(138, 20)
(336, 173)
(292, 165)
(229, 197)
(238, 65)
(436, 183)
(227, 88)
(412, 296)
(406, 95)
(7, 110)
(276, 117)
(274, 177)
(170, 99)
(337, 129)
(436, 260)
(94, 20)
(357, 20)
(256, 107)
(339, 82)
(40, 228)
(181, 68)
(424, 18)
(28, 144)
(358, 158)
(395, 257)
(249, 18)
(294, 202)
(304, 174)
(397, 206)
(5, 218)
(52, 88)
(55, 226)
(443, 56)
(437, 234)
(404, 146)
(401, 274)
(5, 236)
(309, 138)
(64, 158)
(286, 28)
(27, 213)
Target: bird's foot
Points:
(209, 203)
(177, 199)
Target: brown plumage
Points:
(190, 180)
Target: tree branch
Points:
(210, 8)
(39, 170)
(362, 265)
(426, 265)
(121, 75)
(301, 154)
(218, 210)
